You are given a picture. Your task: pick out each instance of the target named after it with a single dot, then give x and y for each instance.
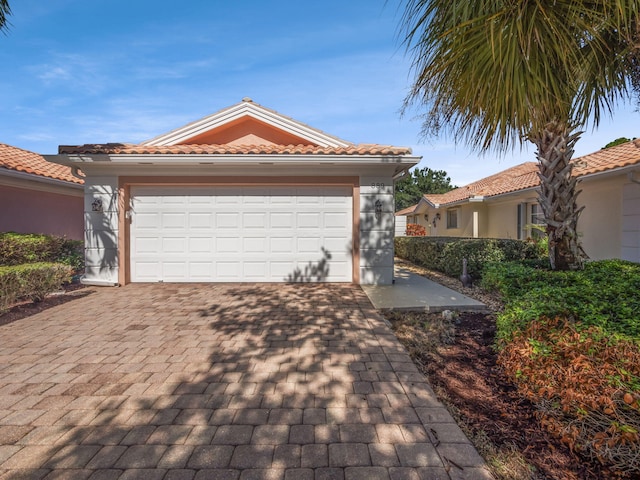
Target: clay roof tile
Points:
(19, 160)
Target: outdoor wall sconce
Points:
(426, 217)
(437, 216)
(378, 209)
(96, 205)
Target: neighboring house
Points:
(505, 205)
(37, 196)
(245, 194)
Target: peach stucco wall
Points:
(31, 211)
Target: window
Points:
(452, 218)
(537, 218)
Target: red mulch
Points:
(466, 371)
(21, 310)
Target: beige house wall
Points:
(600, 225)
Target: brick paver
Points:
(220, 381)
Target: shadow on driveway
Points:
(220, 381)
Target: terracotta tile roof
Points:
(623, 155)
(406, 211)
(525, 175)
(13, 158)
(131, 149)
(516, 178)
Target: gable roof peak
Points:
(247, 109)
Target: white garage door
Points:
(241, 234)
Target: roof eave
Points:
(7, 172)
(403, 161)
(609, 172)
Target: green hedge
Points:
(605, 294)
(19, 248)
(33, 281)
(445, 254)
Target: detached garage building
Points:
(243, 195)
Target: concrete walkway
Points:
(413, 292)
(220, 381)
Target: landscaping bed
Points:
(26, 308)
(460, 360)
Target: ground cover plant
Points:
(562, 351)
(604, 294)
(571, 343)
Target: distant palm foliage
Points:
(498, 73)
(5, 11)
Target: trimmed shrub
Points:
(604, 294)
(445, 254)
(19, 248)
(33, 281)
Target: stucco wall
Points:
(600, 225)
(631, 222)
(32, 211)
(101, 230)
(503, 219)
(376, 230)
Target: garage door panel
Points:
(281, 245)
(147, 271)
(254, 220)
(174, 271)
(176, 221)
(201, 245)
(255, 270)
(311, 220)
(201, 271)
(228, 245)
(338, 245)
(334, 220)
(309, 244)
(145, 220)
(174, 244)
(281, 220)
(201, 220)
(254, 245)
(227, 220)
(228, 271)
(232, 234)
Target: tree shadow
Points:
(313, 271)
(222, 377)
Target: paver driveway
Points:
(220, 381)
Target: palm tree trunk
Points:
(558, 195)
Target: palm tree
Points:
(498, 73)
(5, 11)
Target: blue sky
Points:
(96, 71)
